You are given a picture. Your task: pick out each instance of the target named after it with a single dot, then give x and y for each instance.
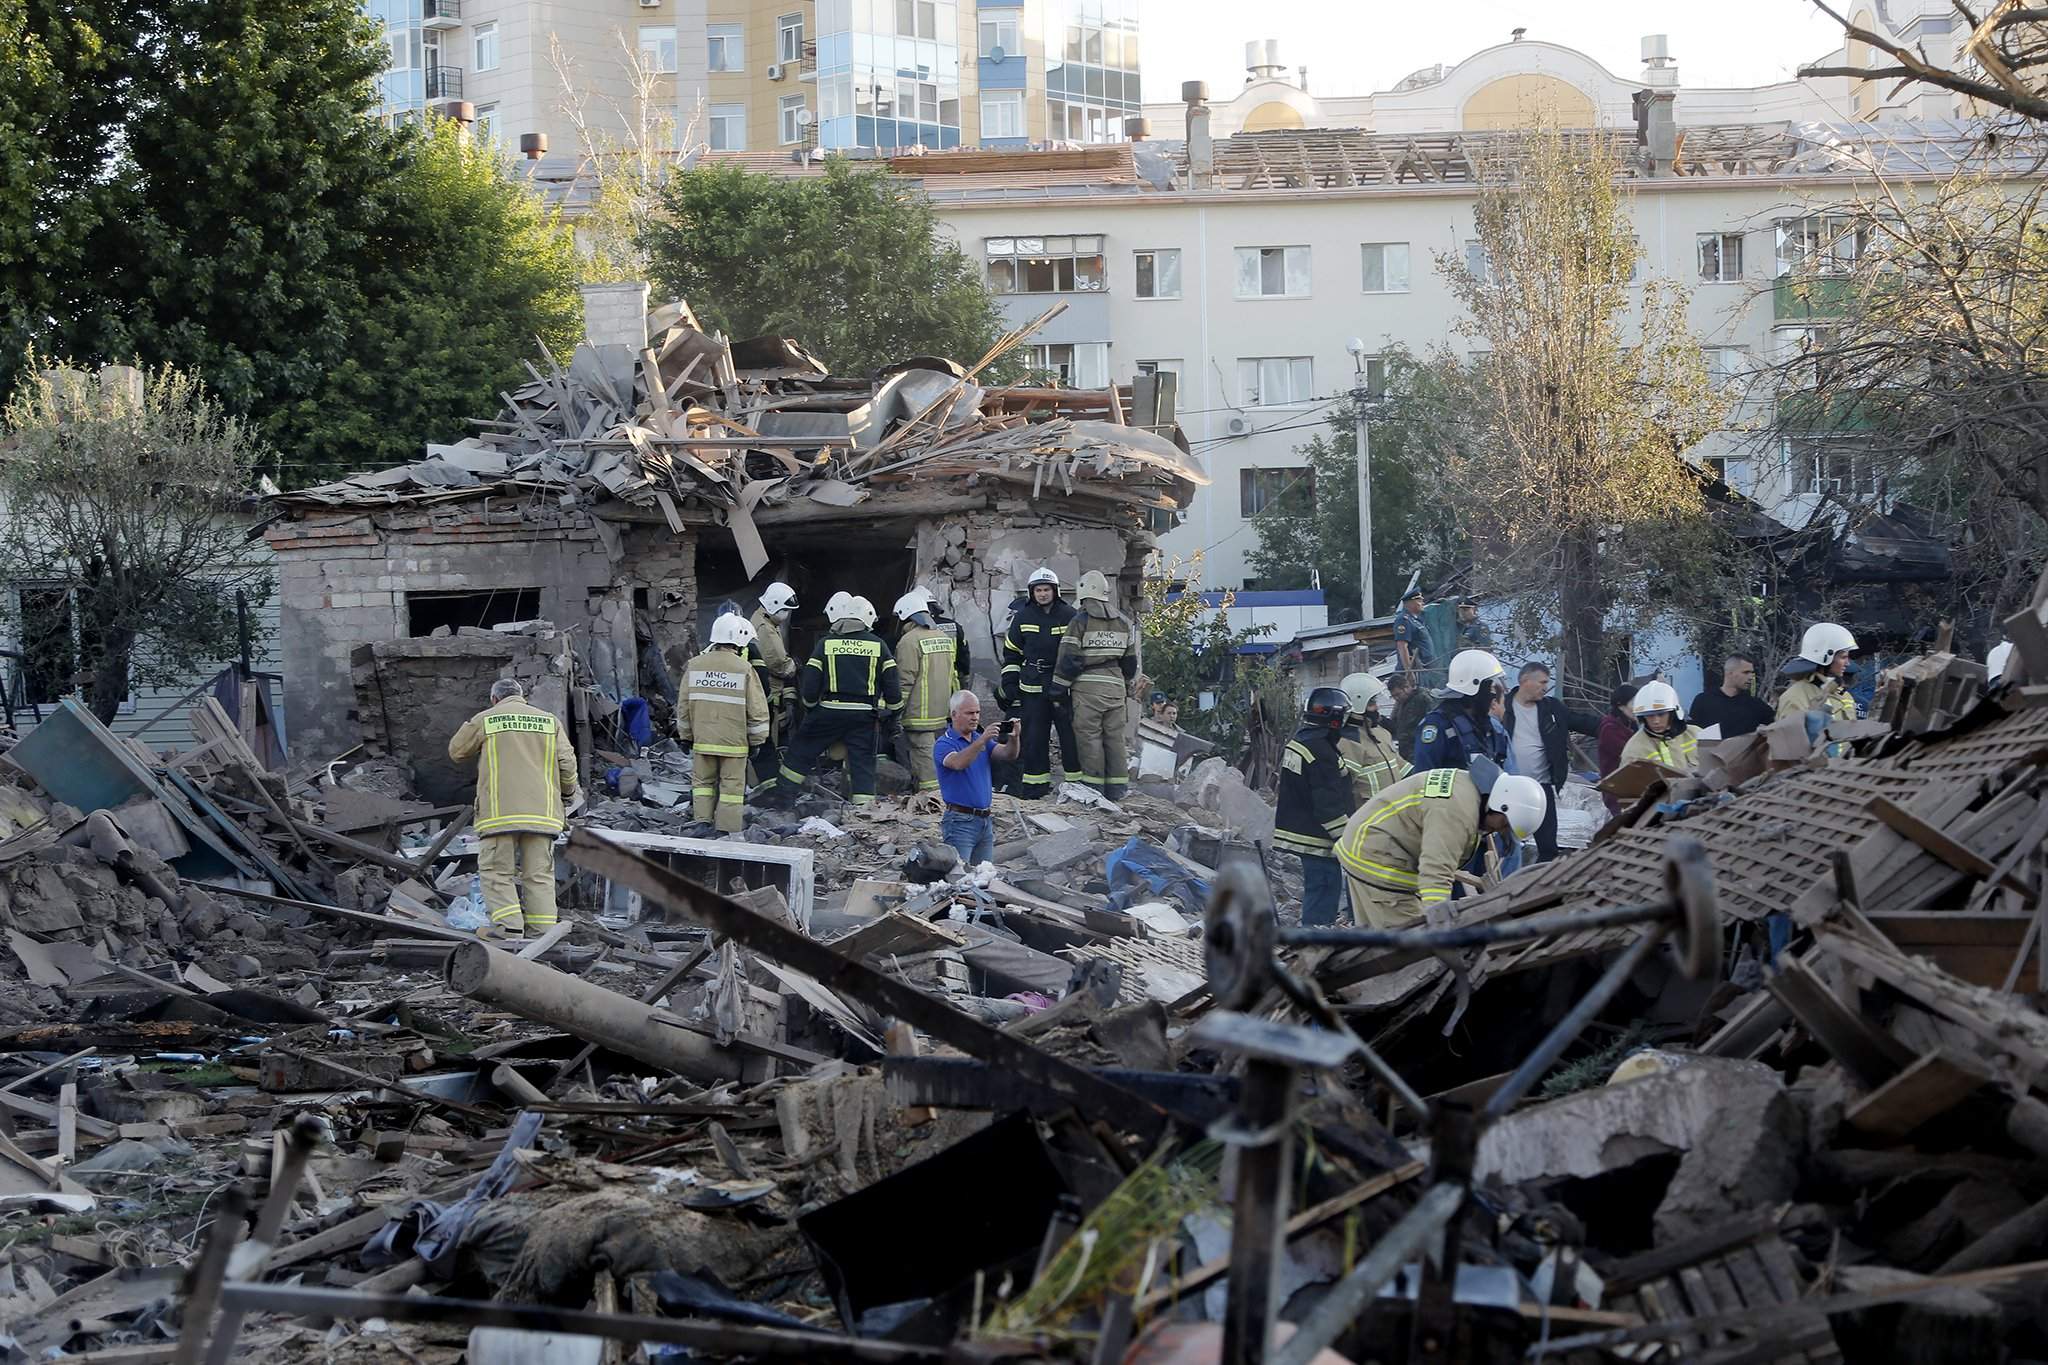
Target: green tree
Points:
(1566, 467)
(124, 496)
(465, 270)
(1313, 526)
(1191, 649)
(851, 261)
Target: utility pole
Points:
(1361, 437)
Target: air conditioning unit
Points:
(650, 4)
(775, 69)
(1238, 424)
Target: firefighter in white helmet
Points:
(777, 672)
(1461, 727)
(1402, 849)
(1662, 736)
(1094, 666)
(927, 671)
(1365, 745)
(1030, 646)
(721, 715)
(1817, 670)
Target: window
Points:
(999, 38)
(1046, 265)
(1272, 272)
(1720, 257)
(1274, 381)
(1158, 274)
(1002, 113)
(486, 130)
(917, 19)
(1147, 368)
(727, 45)
(1844, 468)
(1824, 244)
(486, 48)
(1260, 489)
(1725, 364)
(658, 47)
(1386, 267)
(1079, 365)
(789, 123)
(427, 612)
(789, 39)
(728, 127)
(1478, 263)
(1375, 377)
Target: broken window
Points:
(427, 612)
(1158, 274)
(1272, 272)
(1076, 365)
(1720, 257)
(1844, 468)
(1046, 265)
(1826, 244)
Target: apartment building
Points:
(772, 75)
(1247, 264)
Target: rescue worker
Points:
(927, 672)
(1314, 802)
(1371, 758)
(1662, 736)
(849, 688)
(1030, 646)
(721, 716)
(1461, 727)
(526, 773)
(1822, 660)
(1092, 671)
(1400, 850)
(777, 672)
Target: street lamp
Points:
(1363, 440)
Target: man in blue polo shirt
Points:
(963, 753)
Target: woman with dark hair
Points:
(1617, 728)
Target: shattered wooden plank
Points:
(1930, 1087)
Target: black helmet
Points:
(1326, 706)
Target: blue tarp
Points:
(1141, 871)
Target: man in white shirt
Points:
(1538, 726)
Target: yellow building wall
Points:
(1525, 100)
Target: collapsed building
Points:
(666, 470)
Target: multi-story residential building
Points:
(765, 75)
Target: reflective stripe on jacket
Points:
(1678, 751)
(525, 767)
(927, 661)
(1315, 796)
(775, 660)
(1098, 652)
(1371, 760)
(723, 709)
(1414, 835)
(850, 670)
(1807, 695)
(1032, 643)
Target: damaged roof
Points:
(709, 430)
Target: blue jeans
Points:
(973, 837)
(1323, 896)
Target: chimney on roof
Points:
(1304, 78)
(461, 113)
(1262, 60)
(1657, 129)
(1515, 36)
(1658, 68)
(1137, 129)
(1201, 146)
(533, 146)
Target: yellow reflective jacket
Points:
(927, 669)
(722, 709)
(1678, 751)
(1370, 759)
(775, 660)
(1808, 695)
(526, 771)
(1412, 837)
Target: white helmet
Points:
(732, 629)
(777, 598)
(861, 610)
(1994, 662)
(1366, 690)
(1521, 799)
(836, 609)
(1657, 696)
(1823, 642)
(1471, 667)
(911, 603)
(1093, 587)
(1041, 574)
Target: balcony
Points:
(444, 82)
(441, 14)
(807, 68)
(1798, 298)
